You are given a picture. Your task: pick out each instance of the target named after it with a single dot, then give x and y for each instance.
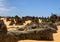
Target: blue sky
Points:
(29, 7)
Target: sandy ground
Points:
(14, 27)
(55, 35)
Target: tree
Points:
(53, 17)
(17, 18)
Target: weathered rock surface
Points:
(33, 30)
(42, 31)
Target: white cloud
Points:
(3, 8)
(2, 3)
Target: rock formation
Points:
(32, 31)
